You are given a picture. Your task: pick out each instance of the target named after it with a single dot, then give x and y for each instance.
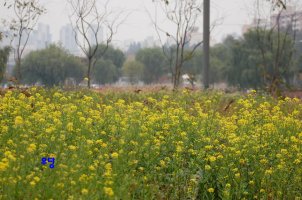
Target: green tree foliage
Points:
(51, 66)
(4, 53)
(182, 16)
(116, 56)
(105, 72)
(194, 66)
(87, 19)
(134, 48)
(257, 60)
(26, 14)
(244, 71)
(219, 61)
(109, 65)
(133, 70)
(154, 62)
(298, 65)
(261, 58)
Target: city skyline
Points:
(41, 37)
(221, 16)
(228, 17)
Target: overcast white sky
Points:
(138, 26)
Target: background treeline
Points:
(245, 62)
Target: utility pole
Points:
(206, 42)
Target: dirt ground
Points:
(293, 94)
(154, 88)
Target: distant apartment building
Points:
(195, 36)
(67, 39)
(41, 37)
(288, 18)
(170, 42)
(38, 38)
(125, 45)
(94, 33)
(256, 23)
(150, 42)
(291, 17)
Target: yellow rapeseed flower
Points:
(31, 148)
(91, 168)
(69, 126)
(18, 120)
(208, 167)
(84, 191)
(72, 147)
(37, 179)
(212, 158)
(3, 166)
(108, 191)
(114, 155)
(237, 175)
(108, 166)
(208, 147)
(32, 183)
(211, 190)
(269, 171)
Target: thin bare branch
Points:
(88, 20)
(183, 16)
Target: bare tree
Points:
(183, 15)
(278, 3)
(88, 21)
(26, 16)
(275, 38)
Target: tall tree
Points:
(26, 16)
(88, 20)
(51, 66)
(247, 69)
(133, 70)
(183, 15)
(4, 53)
(116, 56)
(278, 3)
(105, 72)
(277, 40)
(155, 64)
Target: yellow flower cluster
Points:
(187, 145)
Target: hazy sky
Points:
(234, 13)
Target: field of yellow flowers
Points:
(159, 145)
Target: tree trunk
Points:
(18, 70)
(88, 73)
(176, 80)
